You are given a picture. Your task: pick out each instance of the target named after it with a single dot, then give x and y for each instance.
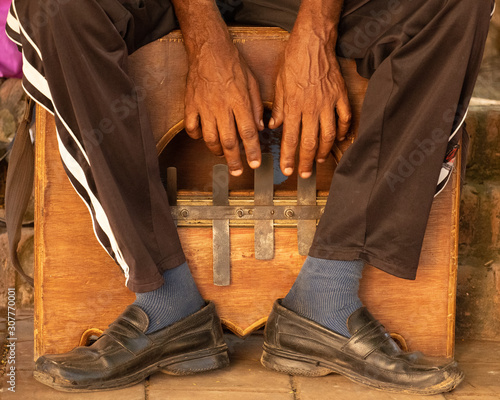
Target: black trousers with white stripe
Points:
(422, 59)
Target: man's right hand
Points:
(223, 98)
(222, 95)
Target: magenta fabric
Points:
(10, 57)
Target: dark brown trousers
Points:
(422, 59)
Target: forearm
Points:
(201, 24)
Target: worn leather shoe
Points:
(296, 345)
(124, 355)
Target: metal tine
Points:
(220, 228)
(306, 195)
(172, 187)
(263, 196)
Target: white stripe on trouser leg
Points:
(36, 78)
(459, 125)
(37, 101)
(445, 174)
(12, 22)
(445, 171)
(76, 171)
(13, 39)
(25, 34)
(40, 83)
(118, 255)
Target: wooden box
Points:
(78, 287)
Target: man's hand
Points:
(310, 88)
(222, 95)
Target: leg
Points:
(413, 110)
(405, 147)
(418, 93)
(83, 80)
(108, 152)
(105, 141)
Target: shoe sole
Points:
(186, 364)
(293, 364)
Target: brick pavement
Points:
(246, 379)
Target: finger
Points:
(308, 145)
(327, 134)
(277, 113)
(249, 136)
(211, 136)
(289, 143)
(230, 144)
(192, 123)
(256, 100)
(344, 115)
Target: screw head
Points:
(240, 213)
(184, 213)
(289, 213)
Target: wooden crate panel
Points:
(79, 287)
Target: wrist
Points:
(210, 42)
(202, 26)
(319, 32)
(319, 18)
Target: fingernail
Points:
(261, 124)
(305, 175)
(237, 172)
(288, 171)
(254, 164)
(271, 122)
(321, 160)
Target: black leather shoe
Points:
(296, 345)
(123, 355)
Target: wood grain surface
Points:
(78, 287)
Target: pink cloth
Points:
(10, 57)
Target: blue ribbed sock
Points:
(326, 291)
(176, 299)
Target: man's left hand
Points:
(309, 91)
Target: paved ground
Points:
(246, 379)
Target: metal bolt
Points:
(272, 212)
(322, 211)
(240, 213)
(184, 213)
(289, 213)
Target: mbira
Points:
(245, 238)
